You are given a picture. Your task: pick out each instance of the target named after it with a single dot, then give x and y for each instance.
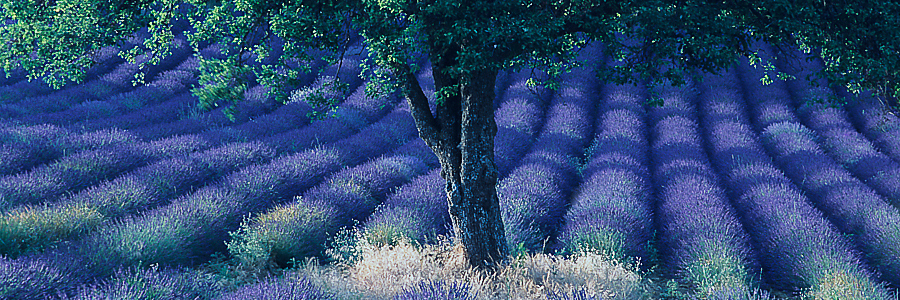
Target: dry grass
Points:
(383, 272)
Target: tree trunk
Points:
(472, 186)
(461, 133)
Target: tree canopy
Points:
(654, 40)
(467, 43)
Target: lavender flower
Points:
(610, 214)
(519, 117)
(436, 290)
(29, 228)
(299, 229)
(851, 205)
(291, 288)
(81, 170)
(701, 237)
(577, 294)
(194, 226)
(151, 284)
(416, 211)
(774, 210)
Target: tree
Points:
(467, 43)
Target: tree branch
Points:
(420, 111)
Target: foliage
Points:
(655, 40)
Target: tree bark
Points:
(461, 133)
(472, 192)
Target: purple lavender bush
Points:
(81, 170)
(436, 290)
(288, 288)
(535, 195)
(31, 228)
(35, 277)
(416, 212)
(774, 210)
(853, 207)
(611, 211)
(701, 239)
(152, 284)
(195, 226)
(519, 119)
(298, 229)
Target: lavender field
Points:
(730, 190)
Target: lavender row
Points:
(83, 97)
(169, 110)
(702, 242)
(194, 226)
(355, 113)
(355, 106)
(301, 228)
(152, 283)
(256, 116)
(24, 147)
(534, 197)
(90, 213)
(842, 141)
(14, 92)
(519, 118)
(855, 208)
(10, 77)
(347, 71)
(164, 86)
(290, 288)
(801, 251)
(256, 103)
(81, 170)
(44, 143)
(139, 196)
(34, 228)
(873, 121)
(120, 79)
(611, 212)
(19, 158)
(215, 124)
(180, 110)
(416, 212)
